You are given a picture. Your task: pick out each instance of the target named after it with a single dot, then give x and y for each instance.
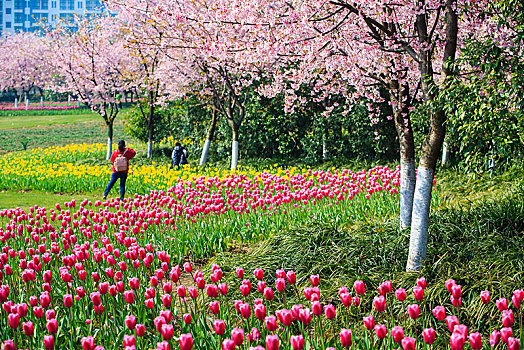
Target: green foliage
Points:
(136, 122)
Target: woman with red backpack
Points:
(120, 159)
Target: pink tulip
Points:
(9, 345)
(401, 294)
(297, 342)
(268, 293)
(260, 312)
(291, 278)
(167, 331)
(359, 287)
(130, 322)
(88, 343)
(52, 326)
(513, 343)
(259, 274)
(280, 284)
(158, 322)
(272, 342)
(240, 272)
(355, 301)
(329, 311)
(29, 328)
(245, 310)
(494, 338)
(507, 318)
(457, 341)
(345, 338)
(451, 322)
(485, 296)
(502, 304)
(369, 322)
(381, 331)
(380, 303)
(219, 327)
(429, 335)
(13, 320)
(475, 340)
(449, 284)
(314, 279)
(185, 341)
(129, 340)
(516, 302)
(397, 333)
(271, 323)
(439, 312)
(462, 329)
(49, 342)
(140, 330)
(505, 334)
(228, 344)
(187, 267)
(418, 292)
(214, 307)
(237, 334)
(421, 282)
(413, 311)
(129, 296)
(408, 343)
(187, 318)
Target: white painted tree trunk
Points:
(68, 98)
(234, 155)
(205, 152)
(407, 191)
(109, 148)
(42, 101)
(26, 103)
(324, 148)
(149, 148)
(420, 219)
(16, 102)
(444, 153)
(78, 103)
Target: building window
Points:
(40, 4)
(8, 11)
(19, 18)
(53, 4)
(19, 4)
(80, 4)
(8, 24)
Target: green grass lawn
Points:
(26, 199)
(32, 121)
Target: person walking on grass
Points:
(178, 156)
(120, 159)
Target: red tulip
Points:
(222, 288)
(245, 310)
(429, 335)
(9, 345)
(421, 282)
(359, 287)
(38, 311)
(280, 284)
(345, 337)
(129, 296)
(346, 299)
(413, 311)
(316, 308)
(129, 340)
(418, 292)
(369, 322)
(268, 293)
(329, 311)
(380, 303)
(457, 341)
(304, 315)
(507, 318)
(260, 312)
(187, 318)
(271, 323)
(494, 338)
(259, 274)
(228, 344)
(355, 301)
(502, 304)
(462, 329)
(401, 294)
(485, 296)
(314, 279)
(220, 327)
(52, 326)
(240, 272)
(187, 267)
(164, 345)
(297, 342)
(381, 331)
(167, 331)
(505, 334)
(291, 278)
(261, 285)
(397, 333)
(140, 330)
(408, 343)
(130, 322)
(439, 312)
(475, 340)
(513, 343)
(29, 328)
(237, 334)
(272, 342)
(449, 284)
(516, 302)
(451, 322)
(49, 342)
(13, 320)
(88, 343)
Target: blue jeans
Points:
(123, 177)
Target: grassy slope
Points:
(33, 121)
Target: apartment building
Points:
(24, 15)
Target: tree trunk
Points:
(324, 147)
(150, 127)
(209, 137)
(444, 153)
(16, 102)
(407, 150)
(109, 140)
(434, 140)
(234, 147)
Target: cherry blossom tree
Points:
(93, 64)
(22, 57)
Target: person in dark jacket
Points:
(121, 174)
(178, 156)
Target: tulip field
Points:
(122, 275)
